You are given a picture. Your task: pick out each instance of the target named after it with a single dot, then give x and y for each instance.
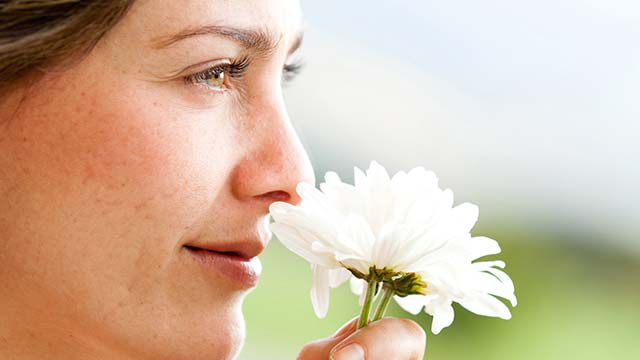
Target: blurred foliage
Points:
(576, 301)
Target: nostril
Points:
(278, 195)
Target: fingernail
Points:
(351, 325)
(352, 351)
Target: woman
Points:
(141, 143)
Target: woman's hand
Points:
(385, 339)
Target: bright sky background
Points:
(527, 108)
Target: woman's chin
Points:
(217, 332)
(212, 336)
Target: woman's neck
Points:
(28, 334)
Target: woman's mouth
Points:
(239, 268)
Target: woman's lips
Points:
(240, 270)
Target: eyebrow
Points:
(259, 41)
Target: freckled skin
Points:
(105, 174)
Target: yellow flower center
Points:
(402, 283)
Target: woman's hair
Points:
(35, 34)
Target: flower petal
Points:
(320, 291)
(344, 197)
(490, 284)
(291, 238)
(314, 199)
(480, 246)
(494, 281)
(356, 235)
(357, 287)
(411, 303)
(442, 311)
(353, 262)
(390, 248)
(380, 196)
(486, 305)
(338, 276)
(506, 281)
(465, 216)
(359, 177)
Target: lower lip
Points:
(241, 271)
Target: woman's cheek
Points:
(122, 178)
(154, 156)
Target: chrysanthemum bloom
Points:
(400, 234)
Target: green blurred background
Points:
(528, 109)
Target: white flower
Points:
(405, 224)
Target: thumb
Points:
(320, 349)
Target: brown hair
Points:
(35, 34)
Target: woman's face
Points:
(111, 168)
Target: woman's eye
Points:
(217, 77)
(290, 71)
(213, 78)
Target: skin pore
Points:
(109, 167)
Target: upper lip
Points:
(245, 248)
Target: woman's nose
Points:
(275, 160)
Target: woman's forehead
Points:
(165, 18)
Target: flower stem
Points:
(366, 307)
(384, 302)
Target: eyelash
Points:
(290, 71)
(236, 69)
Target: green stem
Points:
(366, 307)
(384, 303)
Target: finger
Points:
(347, 329)
(320, 349)
(386, 339)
